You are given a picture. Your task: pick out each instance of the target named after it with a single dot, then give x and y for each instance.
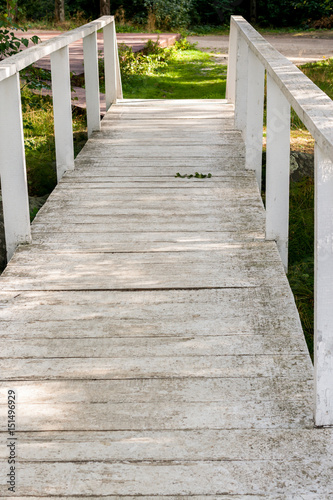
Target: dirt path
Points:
(135, 40)
(299, 49)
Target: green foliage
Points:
(170, 14)
(39, 140)
(301, 252)
(136, 63)
(179, 14)
(10, 44)
(182, 74)
(321, 73)
(196, 176)
(292, 13)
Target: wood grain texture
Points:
(149, 330)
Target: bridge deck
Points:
(149, 331)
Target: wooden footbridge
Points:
(150, 343)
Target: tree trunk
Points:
(12, 10)
(60, 10)
(253, 11)
(104, 7)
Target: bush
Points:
(10, 44)
(170, 14)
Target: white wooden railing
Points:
(249, 57)
(12, 156)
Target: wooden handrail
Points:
(250, 55)
(12, 155)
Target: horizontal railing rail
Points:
(250, 57)
(14, 190)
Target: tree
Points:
(104, 7)
(60, 10)
(253, 11)
(12, 9)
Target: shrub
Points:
(10, 44)
(170, 14)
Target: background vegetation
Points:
(180, 14)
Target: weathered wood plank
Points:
(167, 187)
(162, 416)
(161, 124)
(75, 204)
(260, 478)
(165, 346)
(185, 390)
(109, 368)
(236, 265)
(165, 164)
(221, 445)
(127, 137)
(88, 171)
(144, 242)
(167, 151)
(265, 311)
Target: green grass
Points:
(189, 74)
(39, 141)
(301, 251)
(321, 73)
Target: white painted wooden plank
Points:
(109, 35)
(141, 136)
(292, 366)
(241, 84)
(180, 115)
(159, 346)
(160, 123)
(323, 341)
(15, 202)
(255, 116)
(166, 223)
(231, 68)
(144, 242)
(226, 268)
(266, 311)
(168, 185)
(90, 172)
(163, 151)
(277, 169)
(162, 416)
(91, 79)
(169, 166)
(117, 206)
(240, 389)
(177, 445)
(62, 110)
(201, 478)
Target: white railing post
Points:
(323, 334)
(254, 115)
(62, 109)
(241, 84)
(231, 68)
(118, 74)
(91, 79)
(14, 188)
(110, 65)
(277, 168)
